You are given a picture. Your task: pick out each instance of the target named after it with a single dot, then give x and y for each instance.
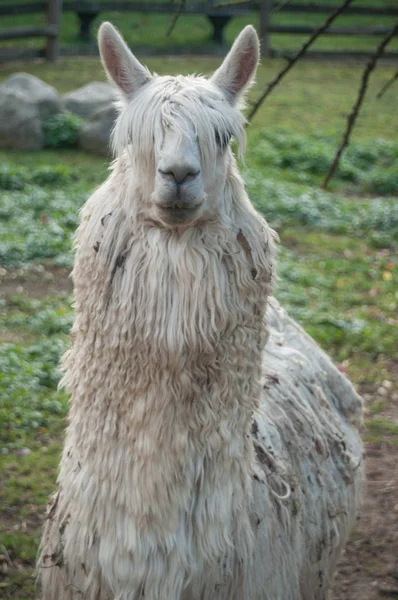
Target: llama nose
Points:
(179, 173)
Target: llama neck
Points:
(170, 330)
(179, 316)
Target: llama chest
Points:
(175, 296)
(158, 456)
(159, 520)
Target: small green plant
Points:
(29, 398)
(12, 178)
(52, 175)
(382, 181)
(62, 130)
(370, 167)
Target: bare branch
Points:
(279, 7)
(296, 57)
(352, 117)
(387, 85)
(175, 17)
(229, 3)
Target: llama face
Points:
(176, 130)
(191, 149)
(179, 195)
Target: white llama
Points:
(212, 450)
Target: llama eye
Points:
(222, 138)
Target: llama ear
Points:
(236, 73)
(119, 62)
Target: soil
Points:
(35, 282)
(368, 570)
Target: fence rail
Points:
(51, 31)
(386, 11)
(304, 29)
(267, 27)
(23, 9)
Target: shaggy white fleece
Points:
(201, 461)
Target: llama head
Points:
(177, 130)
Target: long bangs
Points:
(185, 104)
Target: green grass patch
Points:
(377, 407)
(22, 545)
(24, 491)
(30, 405)
(379, 430)
(18, 170)
(39, 204)
(40, 196)
(21, 585)
(48, 316)
(38, 224)
(289, 205)
(369, 167)
(343, 301)
(383, 426)
(13, 178)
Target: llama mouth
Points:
(178, 214)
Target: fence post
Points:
(265, 21)
(54, 20)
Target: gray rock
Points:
(34, 89)
(20, 121)
(95, 134)
(88, 99)
(23, 451)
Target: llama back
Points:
(310, 458)
(302, 458)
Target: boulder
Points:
(88, 99)
(20, 121)
(36, 91)
(95, 133)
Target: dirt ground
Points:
(369, 568)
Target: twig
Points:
(352, 117)
(8, 558)
(175, 18)
(279, 7)
(295, 58)
(229, 3)
(387, 85)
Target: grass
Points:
(366, 167)
(381, 430)
(338, 263)
(40, 204)
(360, 321)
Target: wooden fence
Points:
(267, 27)
(51, 30)
(219, 13)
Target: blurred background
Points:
(338, 262)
